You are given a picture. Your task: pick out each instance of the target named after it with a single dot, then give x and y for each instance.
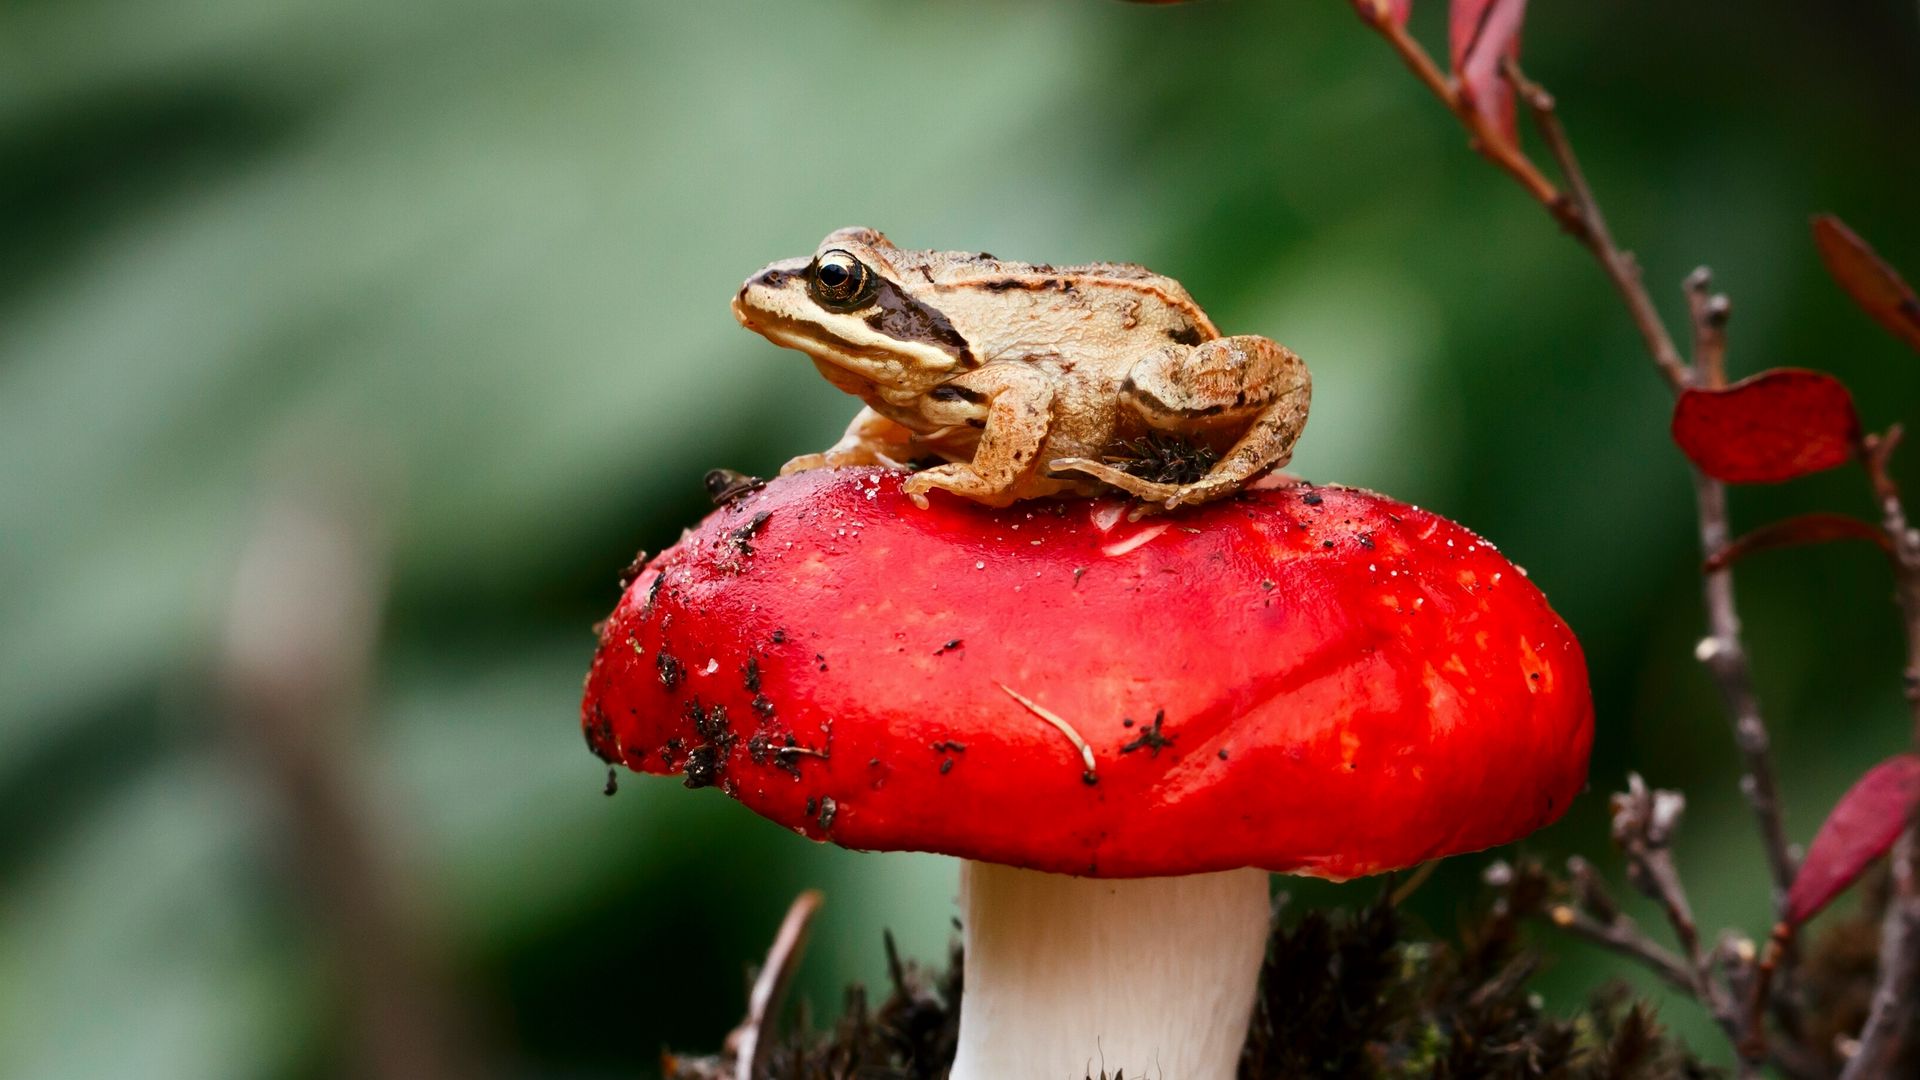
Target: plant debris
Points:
(1150, 737)
(1164, 459)
(726, 485)
(1342, 995)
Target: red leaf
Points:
(1874, 285)
(1863, 825)
(1482, 35)
(1798, 531)
(1771, 427)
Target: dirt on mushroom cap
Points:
(1386, 687)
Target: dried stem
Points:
(1487, 142)
(1722, 651)
(1589, 226)
(1876, 454)
(298, 651)
(1890, 1016)
(1578, 212)
(1623, 936)
(1710, 311)
(1643, 825)
(749, 1041)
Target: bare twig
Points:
(770, 986)
(1624, 936)
(1710, 311)
(1578, 212)
(1876, 454)
(1725, 656)
(299, 637)
(1722, 652)
(1891, 1014)
(1487, 142)
(1643, 823)
(1591, 230)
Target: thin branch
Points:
(1624, 936)
(1877, 453)
(298, 651)
(1891, 1014)
(1725, 656)
(1643, 825)
(1592, 232)
(1486, 141)
(1710, 311)
(749, 1041)
(1722, 651)
(1578, 212)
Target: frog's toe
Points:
(1080, 465)
(1198, 492)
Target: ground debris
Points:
(726, 485)
(1163, 459)
(1343, 994)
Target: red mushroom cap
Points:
(1317, 680)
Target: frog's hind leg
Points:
(1149, 490)
(1247, 383)
(1244, 383)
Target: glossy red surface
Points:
(1308, 679)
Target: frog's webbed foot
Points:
(961, 479)
(1014, 428)
(870, 440)
(840, 458)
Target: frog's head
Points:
(860, 307)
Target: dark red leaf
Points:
(1875, 286)
(1771, 427)
(1482, 35)
(1798, 531)
(1863, 825)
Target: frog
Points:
(1026, 380)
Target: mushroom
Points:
(1120, 727)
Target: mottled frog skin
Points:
(1026, 380)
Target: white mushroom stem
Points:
(1144, 978)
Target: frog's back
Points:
(1128, 293)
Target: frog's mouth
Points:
(871, 360)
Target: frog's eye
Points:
(840, 281)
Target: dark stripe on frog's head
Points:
(903, 318)
(1185, 335)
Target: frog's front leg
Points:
(871, 439)
(1244, 382)
(1018, 404)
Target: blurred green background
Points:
(470, 262)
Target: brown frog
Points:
(1028, 380)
